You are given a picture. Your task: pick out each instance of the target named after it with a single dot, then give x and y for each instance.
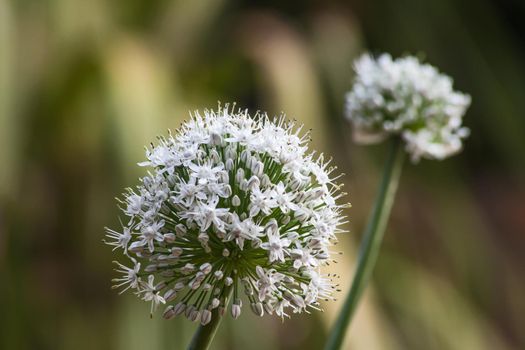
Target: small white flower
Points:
(267, 282)
(260, 202)
(119, 239)
(135, 203)
(207, 214)
(275, 245)
(150, 293)
(163, 158)
(280, 307)
(302, 256)
(231, 202)
(188, 192)
(205, 173)
(282, 198)
(152, 233)
(130, 277)
(410, 99)
(243, 230)
(319, 287)
(241, 135)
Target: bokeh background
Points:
(85, 84)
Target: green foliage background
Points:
(85, 84)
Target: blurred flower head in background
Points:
(232, 203)
(406, 97)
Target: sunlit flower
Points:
(232, 204)
(410, 99)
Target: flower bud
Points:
(214, 303)
(229, 164)
(215, 139)
(194, 315)
(239, 176)
(176, 251)
(180, 230)
(236, 311)
(170, 295)
(206, 268)
(136, 247)
(253, 183)
(257, 309)
(257, 168)
(169, 237)
(169, 313)
(179, 308)
(205, 317)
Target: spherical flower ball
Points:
(407, 98)
(234, 207)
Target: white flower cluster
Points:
(410, 99)
(233, 204)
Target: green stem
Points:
(204, 335)
(371, 243)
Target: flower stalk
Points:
(205, 333)
(371, 243)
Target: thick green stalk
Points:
(371, 243)
(204, 335)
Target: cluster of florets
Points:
(233, 204)
(410, 99)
